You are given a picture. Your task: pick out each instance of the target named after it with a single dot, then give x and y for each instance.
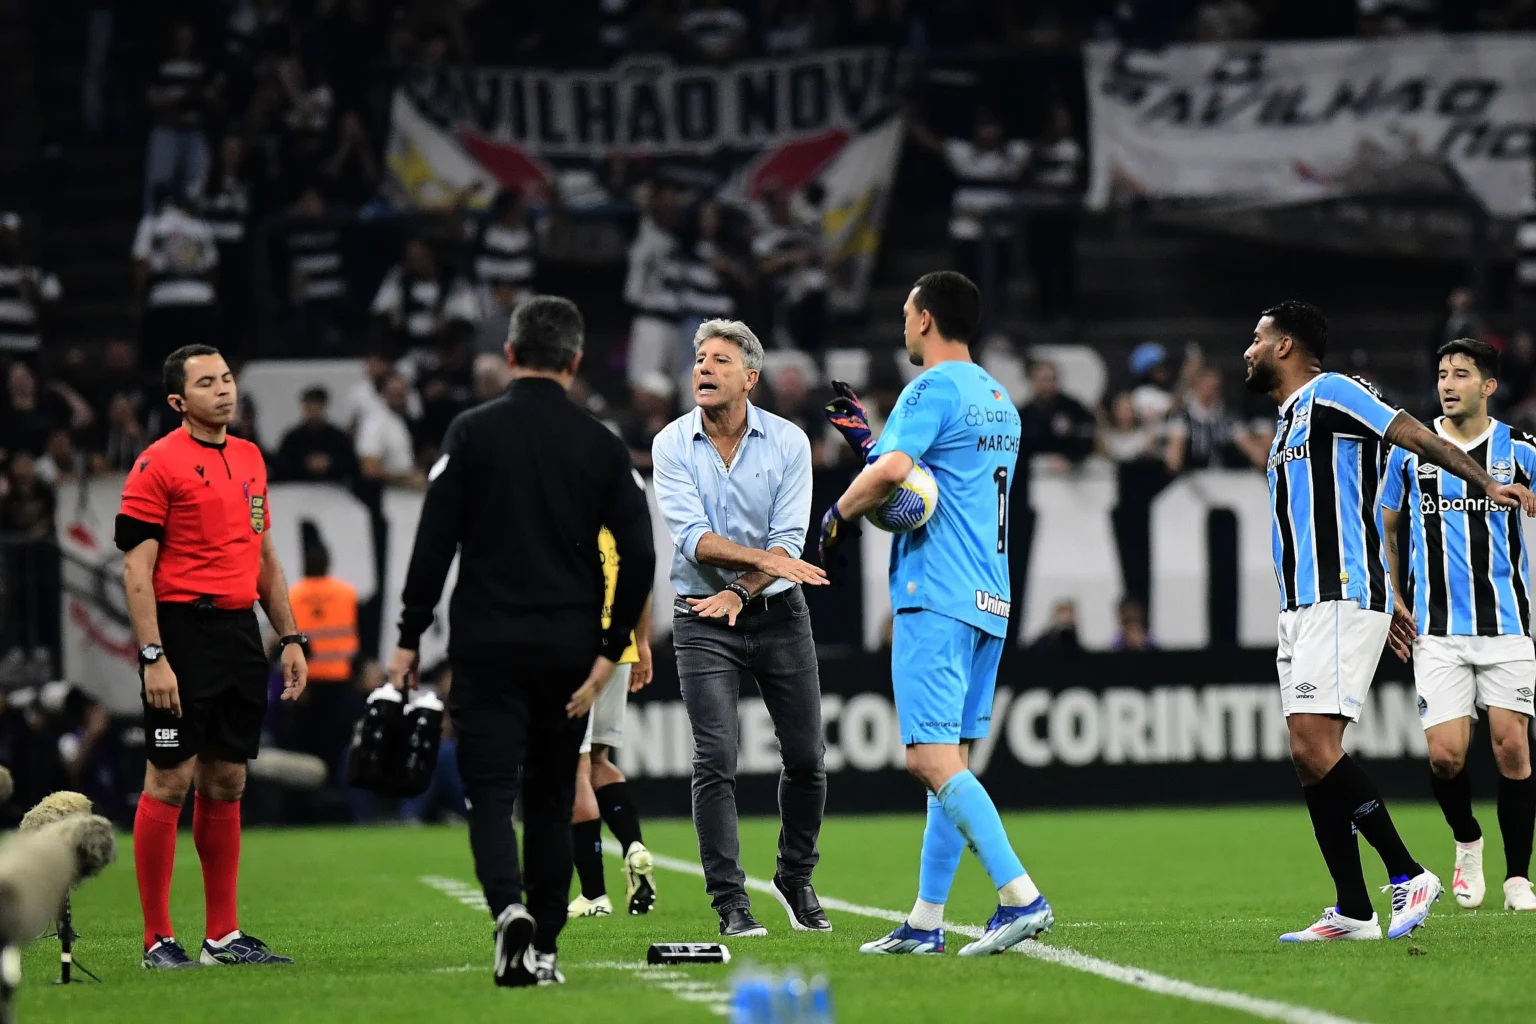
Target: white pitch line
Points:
(1063, 956)
(706, 995)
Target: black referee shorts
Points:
(221, 677)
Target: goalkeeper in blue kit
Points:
(950, 596)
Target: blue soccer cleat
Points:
(167, 954)
(906, 939)
(1011, 926)
(240, 948)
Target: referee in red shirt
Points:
(194, 529)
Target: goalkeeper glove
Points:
(834, 528)
(846, 413)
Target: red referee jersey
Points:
(210, 503)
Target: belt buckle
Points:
(203, 604)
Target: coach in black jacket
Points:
(523, 486)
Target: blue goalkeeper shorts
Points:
(943, 673)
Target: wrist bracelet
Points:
(740, 591)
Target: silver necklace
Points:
(726, 460)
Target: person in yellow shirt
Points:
(602, 792)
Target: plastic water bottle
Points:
(791, 999)
(820, 1001)
(752, 999)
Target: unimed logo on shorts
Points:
(166, 737)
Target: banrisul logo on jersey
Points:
(1284, 455)
(1429, 505)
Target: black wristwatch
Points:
(301, 639)
(150, 653)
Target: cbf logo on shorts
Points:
(166, 738)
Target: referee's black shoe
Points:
(738, 923)
(800, 902)
(516, 964)
(167, 955)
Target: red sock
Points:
(216, 830)
(154, 860)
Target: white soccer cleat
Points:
(639, 880)
(583, 907)
(1518, 894)
(1335, 927)
(1467, 885)
(1411, 901)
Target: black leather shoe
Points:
(804, 909)
(738, 923)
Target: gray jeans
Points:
(774, 648)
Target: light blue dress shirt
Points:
(762, 501)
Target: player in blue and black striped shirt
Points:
(1325, 477)
(1471, 610)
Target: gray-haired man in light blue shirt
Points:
(734, 485)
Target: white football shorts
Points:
(1455, 675)
(605, 725)
(1327, 657)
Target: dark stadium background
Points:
(312, 92)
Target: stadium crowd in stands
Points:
(263, 125)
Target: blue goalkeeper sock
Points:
(967, 804)
(943, 846)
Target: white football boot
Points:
(1468, 885)
(1518, 894)
(1411, 901)
(1335, 927)
(639, 880)
(583, 907)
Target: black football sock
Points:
(1455, 796)
(1341, 851)
(587, 851)
(619, 813)
(1373, 820)
(1517, 816)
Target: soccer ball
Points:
(910, 505)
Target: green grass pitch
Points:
(1193, 895)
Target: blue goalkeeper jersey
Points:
(959, 422)
(1325, 471)
(1470, 569)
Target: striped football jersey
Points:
(1324, 472)
(1469, 564)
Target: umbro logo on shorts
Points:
(167, 737)
(1306, 690)
(1524, 693)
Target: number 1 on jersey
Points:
(1001, 476)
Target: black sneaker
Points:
(738, 923)
(804, 909)
(242, 949)
(544, 970)
(167, 955)
(516, 966)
